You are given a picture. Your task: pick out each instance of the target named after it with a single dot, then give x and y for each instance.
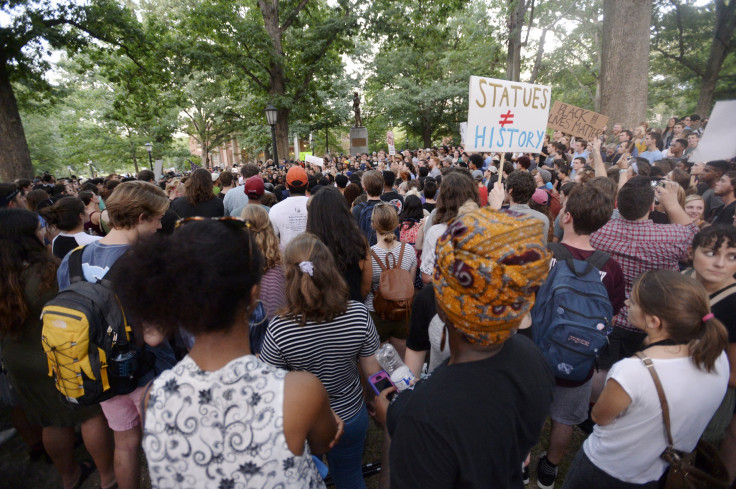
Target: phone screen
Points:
(381, 384)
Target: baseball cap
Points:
(296, 176)
(254, 187)
(215, 176)
(477, 174)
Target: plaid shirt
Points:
(639, 246)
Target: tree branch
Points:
(680, 60)
(292, 16)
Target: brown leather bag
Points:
(393, 297)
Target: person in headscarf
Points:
(473, 421)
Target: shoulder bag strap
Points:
(660, 392)
(725, 293)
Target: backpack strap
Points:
(76, 273)
(599, 259)
(378, 260)
(559, 251)
(401, 254)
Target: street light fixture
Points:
(272, 117)
(149, 148)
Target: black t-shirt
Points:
(725, 311)
(63, 245)
(395, 199)
(470, 425)
(209, 208)
(724, 214)
(423, 310)
(429, 207)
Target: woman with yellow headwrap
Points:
(474, 420)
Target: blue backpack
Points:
(572, 314)
(365, 222)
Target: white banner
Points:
(717, 142)
(390, 143)
(506, 116)
(158, 166)
(463, 132)
(314, 160)
(296, 147)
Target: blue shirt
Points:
(652, 156)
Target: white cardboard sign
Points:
(717, 142)
(314, 160)
(506, 116)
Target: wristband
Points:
(623, 171)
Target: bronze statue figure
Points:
(356, 108)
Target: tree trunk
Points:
(515, 24)
(719, 50)
(277, 78)
(625, 60)
(15, 159)
(427, 135)
(204, 157)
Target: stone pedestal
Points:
(358, 140)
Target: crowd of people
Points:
(253, 293)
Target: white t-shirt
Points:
(289, 218)
(428, 249)
(629, 448)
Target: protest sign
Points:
(314, 160)
(390, 143)
(463, 131)
(581, 123)
(158, 169)
(506, 116)
(717, 142)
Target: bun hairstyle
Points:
(682, 319)
(315, 289)
(385, 220)
(202, 275)
(65, 213)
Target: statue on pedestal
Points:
(356, 109)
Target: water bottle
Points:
(123, 366)
(391, 362)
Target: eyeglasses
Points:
(235, 223)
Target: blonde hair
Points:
(385, 221)
(132, 199)
(318, 293)
(257, 220)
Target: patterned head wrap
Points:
(488, 267)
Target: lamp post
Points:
(272, 117)
(149, 148)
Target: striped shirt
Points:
(328, 350)
(408, 261)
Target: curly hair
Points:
(199, 187)
(330, 220)
(209, 263)
(21, 250)
(257, 221)
(318, 296)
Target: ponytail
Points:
(713, 339)
(688, 321)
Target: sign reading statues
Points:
(506, 116)
(581, 123)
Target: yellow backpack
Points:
(87, 339)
